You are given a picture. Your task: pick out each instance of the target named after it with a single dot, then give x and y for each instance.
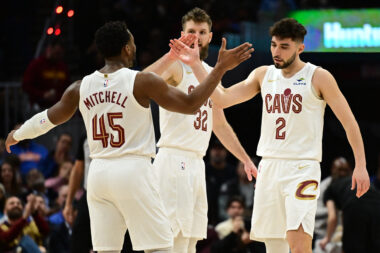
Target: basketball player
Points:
(185, 138)
(114, 103)
(294, 95)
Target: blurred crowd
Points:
(34, 187)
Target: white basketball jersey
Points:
(187, 132)
(116, 123)
(292, 119)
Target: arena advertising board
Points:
(334, 30)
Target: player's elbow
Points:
(192, 106)
(191, 110)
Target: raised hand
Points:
(184, 52)
(229, 59)
(186, 39)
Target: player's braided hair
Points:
(198, 16)
(111, 38)
(288, 28)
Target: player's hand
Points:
(10, 141)
(186, 40)
(229, 59)
(360, 180)
(323, 243)
(68, 213)
(188, 54)
(250, 169)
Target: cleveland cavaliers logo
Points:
(303, 186)
(283, 103)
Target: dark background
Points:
(153, 23)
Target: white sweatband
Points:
(34, 127)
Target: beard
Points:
(203, 52)
(286, 63)
(14, 214)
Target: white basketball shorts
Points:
(285, 197)
(122, 194)
(182, 187)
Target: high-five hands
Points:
(186, 40)
(229, 59)
(184, 50)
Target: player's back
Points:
(116, 123)
(187, 132)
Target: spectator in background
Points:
(233, 232)
(30, 154)
(10, 179)
(81, 236)
(60, 236)
(361, 219)
(218, 171)
(339, 168)
(47, 77)
(57, 217)
(3, 152)
(204, 246)
(57, 156)
(20, 230)
(2, 201)
(35, 183)
(54, 183)
(40, 206)
(239, 186)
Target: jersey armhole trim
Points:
(312, 88)
(132, 97)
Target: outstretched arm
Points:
(228, 138)
(167, 66)
(222, 97)
(326, 85)
(42, 122)
(152, 87)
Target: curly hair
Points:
(198, 16)
(111, 38)
(288, 28)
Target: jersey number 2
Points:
(281, 124)
(103, 135)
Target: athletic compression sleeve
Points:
(34, 127)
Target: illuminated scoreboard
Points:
(335, 30)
